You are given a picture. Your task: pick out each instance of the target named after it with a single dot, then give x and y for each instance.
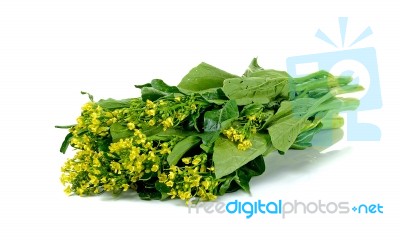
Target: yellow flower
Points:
(94, 180)
(184, 195)
(141, 141)
(154, 168)
(152, 122)
(178, 99)
(196, 182)
(88, 106)
(162, 103)
(230, 132)
(134, 153)
(80, 191)
(125, 186)
(174, 168)
(167, 123)
(151, 112)
(78, 167)
(171, 175)
(251, 117)
(68, 190)
(165, 151)
(172, 193)
(162, 178)
(244, 145)
(152, 156)
(170, 183)
(181, 116)
(131, 126)
(108, 187)
(196, 161)
(206, 184)
(116, 167)
(64, 179)
(238, 137)
(149, 104)
(111, 121)
(211, 196)
(96, 162)
(186, 160)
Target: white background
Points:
(51, 50)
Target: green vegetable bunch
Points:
(203, 138)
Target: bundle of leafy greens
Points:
(203, 138)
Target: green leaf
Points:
(152, 130)
(259, 90)
(243, 180)
(216, 96)
(118, 131)
(251, 109)
(204, 77)
(304, 139)
(228, 158)
(144, 85)
(181, 148)
(206, 148)
(152, 94)
(103, 144)
(293, 118)
(209, 138)
(225, 186)
(150, 195)
(157, 89)
(270, 74)
(255, 167)
(111, 103)
(293, 115)
(65, 144)
(215, 120)
(297, 107)
(162, 187)
(253, 67)
(161, 86)
(193, 120)
(159, 134)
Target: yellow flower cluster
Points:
(168, 113)
(127, 161)
(190, 180)
(95, 120)
(92, 171)
(103, 165)
(81, 174)
(238, 137)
